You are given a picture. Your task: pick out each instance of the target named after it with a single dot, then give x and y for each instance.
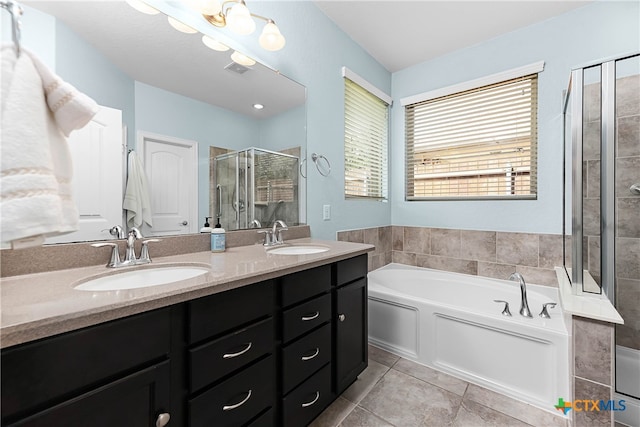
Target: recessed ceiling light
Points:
(258, 106)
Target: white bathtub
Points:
(448, 321)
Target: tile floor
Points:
(397, 392)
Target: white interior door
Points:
(97, 151)
(171, 166)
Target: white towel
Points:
(136, 197)
(35, 172)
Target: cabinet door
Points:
(351, 333)
(136, 400)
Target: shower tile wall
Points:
(482, 253)
(628, 210)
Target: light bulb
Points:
(141, 6)
(242, 59)
(180, 26)
(239, 20)
(214, 44)
(210, 7)
(258, 106)
(271, 38)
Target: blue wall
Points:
(593, 32)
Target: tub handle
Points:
(544, 313)
(505, 311)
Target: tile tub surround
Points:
(75, 255)
(483, 253)
(394, 391)
(39, 305)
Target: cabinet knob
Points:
(342, 317)
(163, 419)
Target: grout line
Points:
(593, 382)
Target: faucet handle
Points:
(115, 253)
(133, 231)
(144, 251)
(544, 313)
(268, 237)
(505, 311)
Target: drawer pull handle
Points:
(305, 405)
(237, 405)
(342, 317)
(305, 358)
(163, 419)
(240, 353)
(311, 317)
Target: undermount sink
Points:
(298, 250)
(141, 278)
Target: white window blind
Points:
(480, 143)
(366, 133)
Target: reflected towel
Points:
(136, 197)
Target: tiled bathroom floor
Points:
(394, 391)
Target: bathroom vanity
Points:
(272, 351)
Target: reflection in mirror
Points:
(175, 99)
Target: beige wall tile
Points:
(494, 270)
(397, 235)
(445, 242)
(417, 240)
(550, 251)
(371, 237)
(447, 264)
(403, 258)
(587, 390)
(628, 258)
(478, 245)
(628, 217)
(593, 349)
(517, 248)
(627, 173)
(384, 237)
(538, 276)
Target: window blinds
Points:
(366, 133)
(479, 143)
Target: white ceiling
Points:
(149, 50)
(399, 34)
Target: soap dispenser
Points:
(207, 227)
(218, 238)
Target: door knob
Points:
(185, 222)
(163, 419)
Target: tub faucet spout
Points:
(524, 305)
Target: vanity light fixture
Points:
(242, 59)
(236, 15)
(214, 44)
(183, 28)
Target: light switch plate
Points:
(326, 212)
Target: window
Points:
(366, 134)
(476, 143)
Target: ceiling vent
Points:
(236, 68)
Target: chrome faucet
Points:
(277, 234)
(524, 305)
(255, 224)
(130, 254)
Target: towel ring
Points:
(317, 160)
(303, 163)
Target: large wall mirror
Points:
(177, 105)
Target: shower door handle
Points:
(635, 189)
(219, 191)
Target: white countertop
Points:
(35, 306)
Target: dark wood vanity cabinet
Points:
(116, 373)
(275, 353)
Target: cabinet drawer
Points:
(305, 284)
(44, 371)
(219, 313)
(351, 269)
(304, 317)
(305, 402)
(218, 358)
(236, 400)
(265, 420)
(305, 356)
